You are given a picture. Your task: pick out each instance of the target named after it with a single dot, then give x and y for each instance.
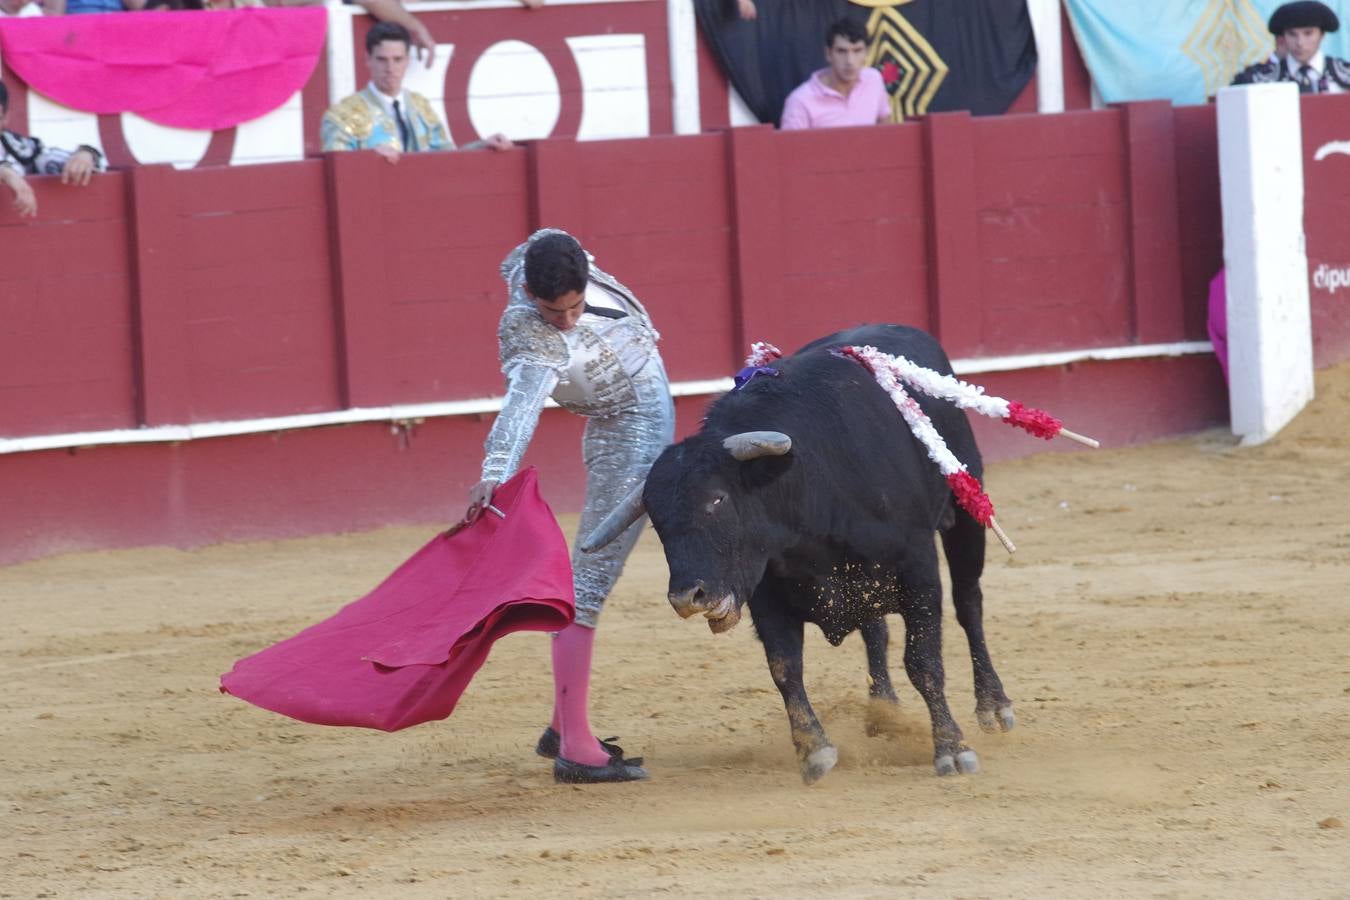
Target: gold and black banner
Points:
(934, 55)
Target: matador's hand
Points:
(480, 495)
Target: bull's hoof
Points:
(818, 763)
(1001, 719)
(965, 762)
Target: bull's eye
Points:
(713, 504)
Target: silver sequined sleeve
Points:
(527, 387)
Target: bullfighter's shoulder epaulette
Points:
(526, 339)
(352, 115)
(424, 108)
(1339, 71)
(1261, 73)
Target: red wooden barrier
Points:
(238, 293)
(66, 312)
(1326, 211)
(1199, 215)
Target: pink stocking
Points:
(571, 688)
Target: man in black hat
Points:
(1301, 25)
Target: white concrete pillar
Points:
(341, 51)
(682, 28)
(1270, 361)
(1045, 23)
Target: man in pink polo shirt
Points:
(847, 92)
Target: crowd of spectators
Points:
(390, 120)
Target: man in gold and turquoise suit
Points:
(386, 117)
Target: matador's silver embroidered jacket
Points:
(606, 369)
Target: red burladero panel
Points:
(444, 225)
(1199, 211)
(1326, 199)
(65, 311)
(251, 262)
(850, 242)
(1054, 233)
(657, 215)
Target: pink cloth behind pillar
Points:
(1218, 318)
(404, 653)
(207, 71)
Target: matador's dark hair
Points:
(554, 265)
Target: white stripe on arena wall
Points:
(404, 414)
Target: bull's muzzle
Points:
(689, 601)
(722, 613)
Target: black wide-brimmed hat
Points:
(1303, 14)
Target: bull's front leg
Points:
(782, 638)
(923, 662)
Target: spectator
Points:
(846, 92)
(1301, 27)
(73, 7)
(385, 117)
(21, 155)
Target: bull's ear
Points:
(754, 444)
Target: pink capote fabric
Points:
(1218, 318)
(206, 70)
(404, 653)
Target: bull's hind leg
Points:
(882, 703)
(782, 638)
(964, 546)
(922, 609)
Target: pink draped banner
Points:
(198, 70)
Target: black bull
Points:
(807, 496)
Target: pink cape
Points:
(404, 653)
(1218, 318)
(207, 70)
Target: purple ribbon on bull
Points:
(749, 373)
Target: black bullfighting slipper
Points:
(550, 745)
(616, 770)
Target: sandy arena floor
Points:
(1173, 630)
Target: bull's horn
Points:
(754, 444)
(629, 510)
